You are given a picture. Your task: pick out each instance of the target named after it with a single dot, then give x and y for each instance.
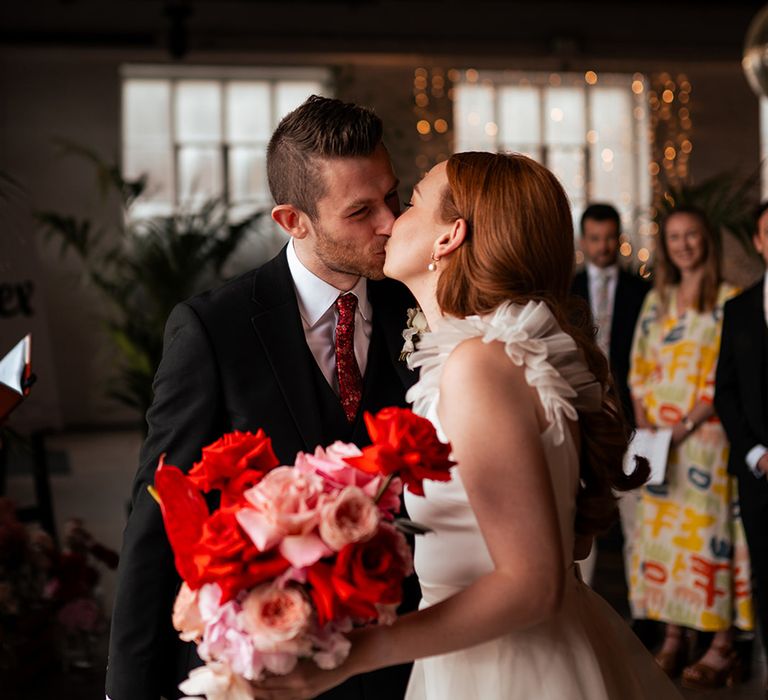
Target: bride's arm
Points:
(489, 413)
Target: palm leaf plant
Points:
(142, 268)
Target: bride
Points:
(486, 247)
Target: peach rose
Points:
(351, 517)
(186, 615)
(275, 615)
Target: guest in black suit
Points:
(260, 352)
(741, 400)
(615, 297)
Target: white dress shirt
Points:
(596, 277)
(754, 455)
(317, 306)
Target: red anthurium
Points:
(184, 514)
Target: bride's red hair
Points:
(519, 247)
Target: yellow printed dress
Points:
(690, 565)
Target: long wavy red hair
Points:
(520, 247)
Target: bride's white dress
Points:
(586, 650)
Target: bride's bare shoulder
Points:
(478, 367)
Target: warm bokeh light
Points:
(421, 100)
(472, 75)
(441, 126)
(555, 80)
(668, 96)
(607, 155)
(686, 146)
(592, 136)
(423, 127)
(669, 153)
(556, 114)
(491, 129)
(643, 254)
(625, 249)
(637, 87)
(590, 77)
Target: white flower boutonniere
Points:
(414, 327)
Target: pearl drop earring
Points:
(432, 267)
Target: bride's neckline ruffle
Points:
(554, 365)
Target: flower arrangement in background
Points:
(49, 604)
(296, 555)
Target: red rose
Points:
(226, 555)
(232, 461)
(322, 592)
(407, 445)
(369, 573)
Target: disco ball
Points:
(755, 61)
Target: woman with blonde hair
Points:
(690, 566)
(524, 397)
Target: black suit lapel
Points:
(279, 328)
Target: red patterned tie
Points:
(350, 380)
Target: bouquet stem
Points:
(383, 488)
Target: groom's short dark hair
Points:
(321, 127)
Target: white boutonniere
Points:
(414, 327)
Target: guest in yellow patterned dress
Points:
(690, 568)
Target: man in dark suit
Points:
(741, 400)
(615, 298)
(260, 352)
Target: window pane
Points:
(612, 178)
(146, 113)
(611, 115)
(157, 165)
(290, 94)
(474, 109)
(198, 111)
(568, 164)
(199, 174)
(248, 175)
(564, 116)
(519, 115)
(249, 111)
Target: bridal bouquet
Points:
(295, 556)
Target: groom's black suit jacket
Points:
(236, 358)
(741, 400)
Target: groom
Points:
(261, 352)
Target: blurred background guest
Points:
(615, 297)
(741, 399)
(690, 568)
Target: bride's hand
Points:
(304, 682)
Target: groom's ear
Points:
(292, 220)
(451, 238)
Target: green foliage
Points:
(727, 199)
(142, 268)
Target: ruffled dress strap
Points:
(554, 364)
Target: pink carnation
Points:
(351, 517)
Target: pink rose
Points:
(351, 517)
(330, 464)
(276, 615)
(186, 615)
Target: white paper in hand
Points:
(654, 446)
(12, 366)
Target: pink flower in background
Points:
(216, 681)
(351, 517)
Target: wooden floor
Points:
(94, 484)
